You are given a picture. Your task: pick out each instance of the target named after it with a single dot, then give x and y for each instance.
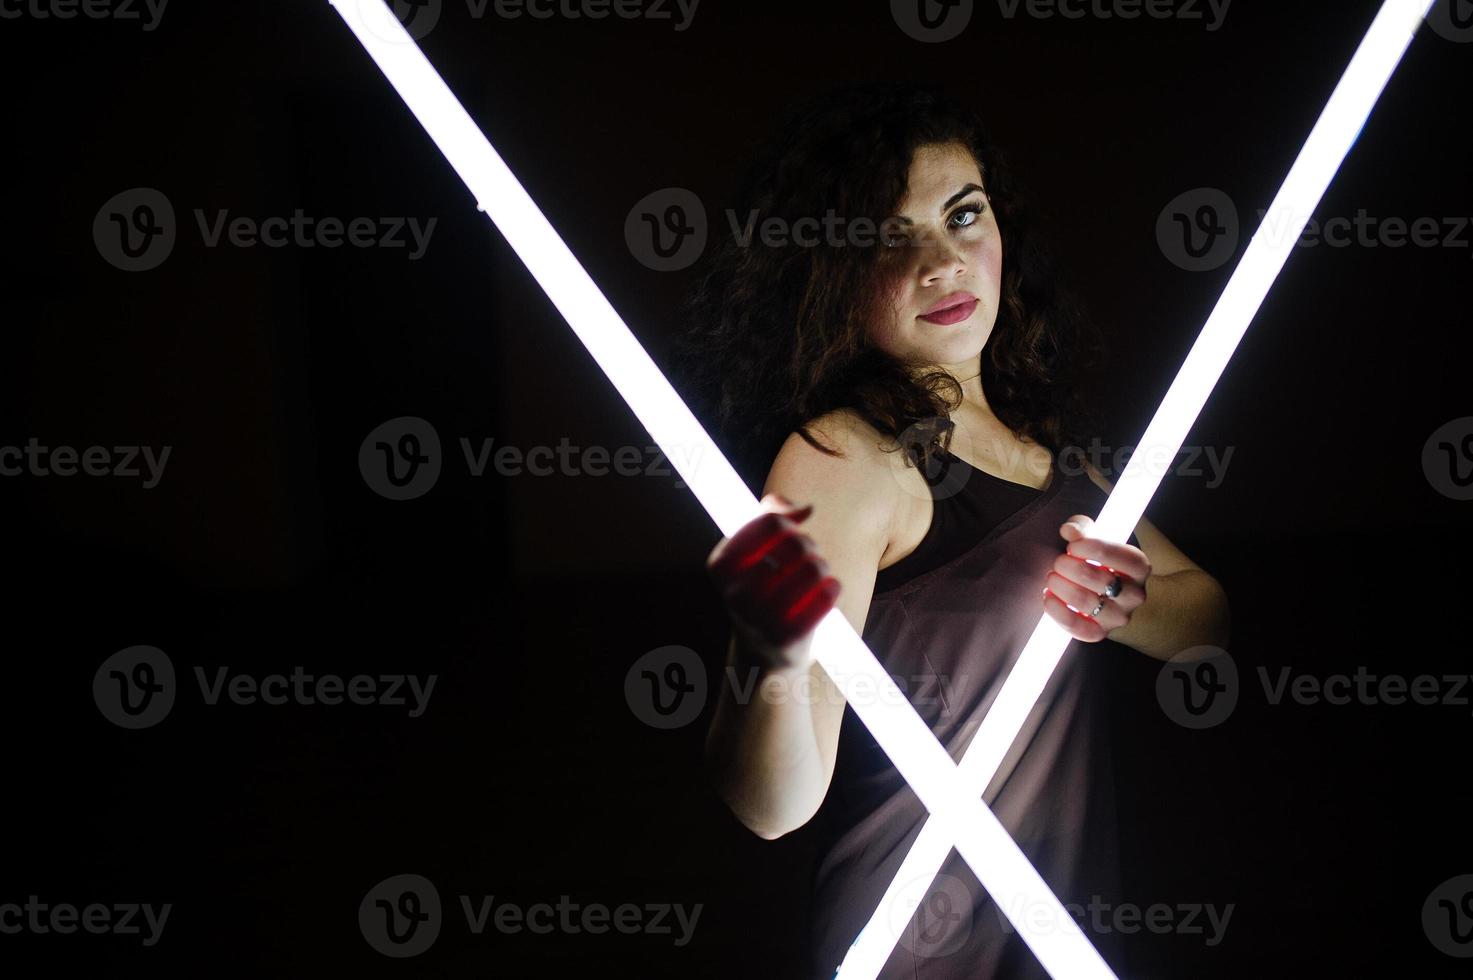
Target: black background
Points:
(529, 776)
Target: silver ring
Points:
(1113, 589)
(1097, 609)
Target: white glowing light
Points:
(1328, 143)
(997, 861)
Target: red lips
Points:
(953, 308)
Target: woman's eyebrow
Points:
(949, 202)
(959, 195)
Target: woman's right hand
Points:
(775, 584)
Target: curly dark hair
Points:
(777, 336)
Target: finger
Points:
(786, 551)
(1122, 559)
(1097, 578)
(772, 504)
(777, 586)
(813, 606)
(1083, 600)
(1076, 527)
(774, 608)
(1080, 627)
(782, 505)
(749, 544)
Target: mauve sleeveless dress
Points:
(947, 621)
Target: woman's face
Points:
(944, 280)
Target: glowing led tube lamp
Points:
(1328, 143)
(959, 816)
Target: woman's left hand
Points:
(1082, 575)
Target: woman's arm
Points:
(774, 736)
(1184, 607)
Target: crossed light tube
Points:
(951, 793)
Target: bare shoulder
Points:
(856, 485)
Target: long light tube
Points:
(1329, 141)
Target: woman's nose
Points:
(939, 259)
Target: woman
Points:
(911, 376)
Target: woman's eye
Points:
(967, 216)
